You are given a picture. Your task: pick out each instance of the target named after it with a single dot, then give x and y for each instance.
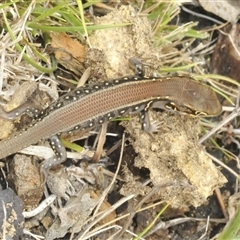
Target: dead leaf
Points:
(69, 52)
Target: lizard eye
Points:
(194, 94)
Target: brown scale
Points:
(89, 106)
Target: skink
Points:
(88, 106)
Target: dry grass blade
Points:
(98, 216)
(224, 122)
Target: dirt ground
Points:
(138, 175)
